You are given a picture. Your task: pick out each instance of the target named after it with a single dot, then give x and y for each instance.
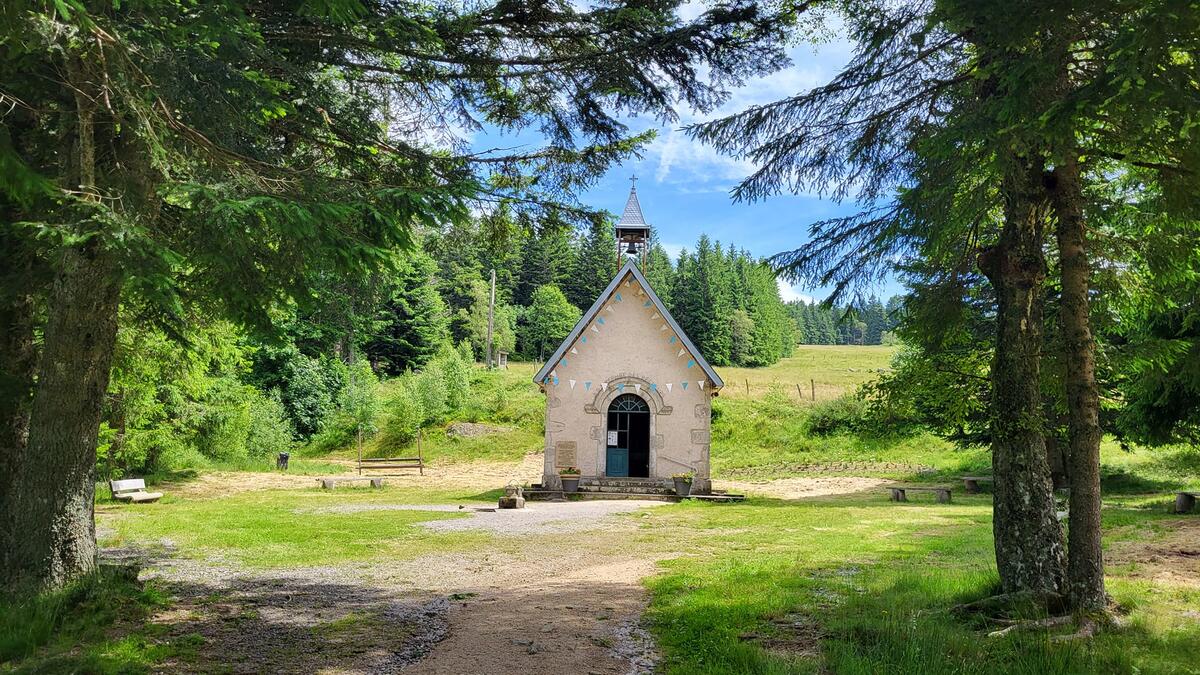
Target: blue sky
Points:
(684, 186)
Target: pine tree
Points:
(413, 323)
(545, 323)
(593, 264)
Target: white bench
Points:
(333, 482)
(132, 490)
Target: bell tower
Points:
(633, 233)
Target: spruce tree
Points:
(413, 324)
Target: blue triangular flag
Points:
(600, 321)
(620, 387)
(587, 386)
(646, 304)
(672, 340)
(563, 362)
(691, 362)
(684, 383)
(618, 297)
(584, 339)
(653, 387)
(556, 381)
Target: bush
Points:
(456, 372)
(846, 413)
(222, 424)
(403, 417)
(270, 431)
(466, 352)
(431, 392)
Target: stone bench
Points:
(900, 492)
(1185, 501)
(333, 482)
(132, 490)
(971, 483)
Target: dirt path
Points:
(558, 590)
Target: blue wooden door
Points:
(617, 463)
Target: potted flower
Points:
(570, 478)
(683, 483)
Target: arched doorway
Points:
(628, 452)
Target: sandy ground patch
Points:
(476, 475)
(535, 518)
(803, 488)
(1173, 558)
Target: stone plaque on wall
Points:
(564, 454)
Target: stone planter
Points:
(570, 483)
(683, 488)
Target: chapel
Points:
(628, 396)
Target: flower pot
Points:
(570, 483)
(683, 488)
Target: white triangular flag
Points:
(594, 329)
(554, 373)
(681, 352)
(603, 386)
(669, 387)
(610, 308)
(638, 387)
(574, 351)
(572, 383)
(654, 317)
(701, 383)
(664, 327)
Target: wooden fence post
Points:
(813, 384)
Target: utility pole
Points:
(491, 318)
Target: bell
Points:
(632, 250)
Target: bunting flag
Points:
(673, 340)
(583, 339)
(574, 351)
(701, 383)
(556, 381)
(600, 321)
(627, 282)
(610, 307)
(637, 387)
(572, 383)
(691, 362)
(594, 329)
(669, 387)
(562, 363)
(554, 373)
(618, 296)
(656, 315)
(587, 386)
(603, 386)
(646, 304)
(664, 327)
(682, 351)
(653, 387)
(621, 387)
(684, 384)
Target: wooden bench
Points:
(899, 492)
(971, 483)
(1185, 501)
(132, 490)
(332, 482)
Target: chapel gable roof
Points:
(628, 268)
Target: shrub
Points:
(846, 413)
(403, 417)
(222, 424)
(457, 376)
(270, 430)
(431, 391)
(466, 352)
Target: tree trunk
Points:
(18, 363)
(1028, 537)
(1085, 561)
(57, 476)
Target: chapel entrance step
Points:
(617, 489)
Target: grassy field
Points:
(849, 584)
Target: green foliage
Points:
(456, 373)
(68, 630)
(545, 323)
(412, 325)
(403, 418)
(844, 414)
(431, 390)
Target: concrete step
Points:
(640, 489)
(556, 495)
(627, 482)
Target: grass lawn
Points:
(831, 369)
(860, 585)
(293, 528)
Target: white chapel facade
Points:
(627, 393)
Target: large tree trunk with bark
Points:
(18, 362)
(1028, 537)
(1085, 562)
(53, 511)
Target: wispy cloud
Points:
(790, 293)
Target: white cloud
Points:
(673, 250)
(790, 293)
